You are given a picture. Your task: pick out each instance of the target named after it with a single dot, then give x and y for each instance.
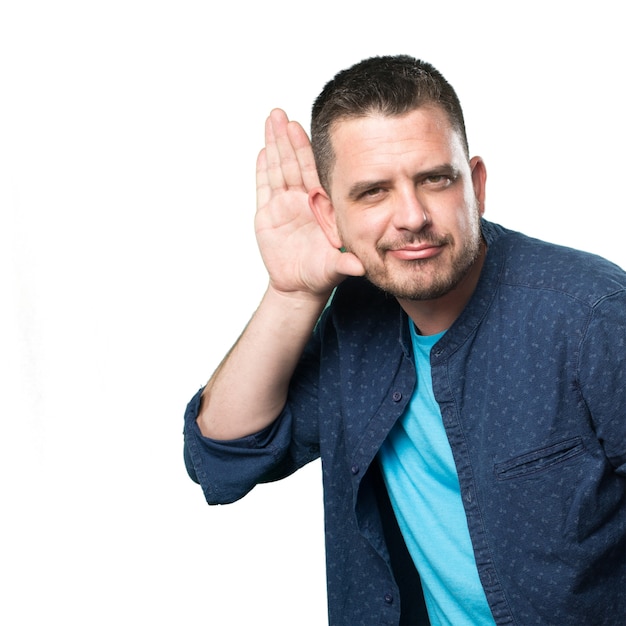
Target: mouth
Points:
(416, 252)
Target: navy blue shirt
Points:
(531, 383)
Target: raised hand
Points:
(296, 253)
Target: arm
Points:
(603, 375)
(303, 269)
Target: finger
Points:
(273, 170)
(263, 189)
(304, 154)
(289, 165)
(348, 264)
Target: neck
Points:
(435, 316)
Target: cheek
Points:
(362, 236)
(471, 223)
(471, 201)
(349, 227)
(468, 214)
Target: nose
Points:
(409, 212)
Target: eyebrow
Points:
(361, 187)
(445, 169)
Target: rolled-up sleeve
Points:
(228, 470)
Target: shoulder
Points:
(529, 262)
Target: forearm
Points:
(249, 389)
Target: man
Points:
(464, 385)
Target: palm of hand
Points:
(296, 253)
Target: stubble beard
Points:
(423, 279)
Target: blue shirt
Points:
(530, 383)
(421, 478)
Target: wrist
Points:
(298, 299)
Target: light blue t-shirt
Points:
(423, 486)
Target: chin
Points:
(418, 287)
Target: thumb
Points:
(349, 265)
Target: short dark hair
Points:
(389, 85)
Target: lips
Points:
(416, 252)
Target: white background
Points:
(128, 137)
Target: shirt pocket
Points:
(540, 460)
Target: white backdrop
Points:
(128, 137)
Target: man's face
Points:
(406, 201)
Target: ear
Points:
(479, 181)
(324, 211)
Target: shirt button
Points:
(397, 396)
(355, 469)
(388, 598)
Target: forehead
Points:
(420, 138)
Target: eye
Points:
(372, 193)
(438, 181)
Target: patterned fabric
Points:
(531, 384)
(421, 478)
